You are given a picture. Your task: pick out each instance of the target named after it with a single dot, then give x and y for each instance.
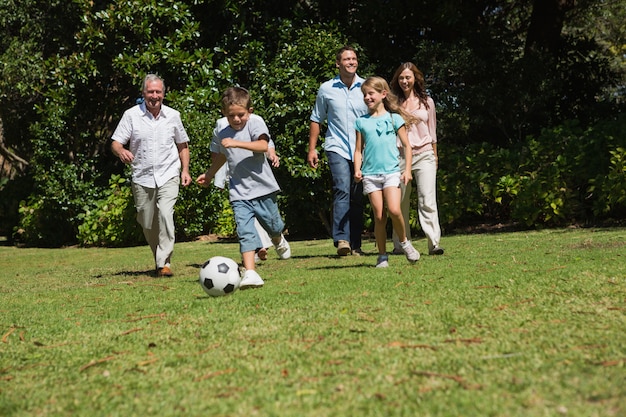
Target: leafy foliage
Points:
(504, 96)
(568, 174)
(112, 221)
(50, 216)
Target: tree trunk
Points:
(10, 164)
(546, 23)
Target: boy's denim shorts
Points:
(265, 209)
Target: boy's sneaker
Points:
(382, 261)
(283, 249)
(250, 280)
(412, 255)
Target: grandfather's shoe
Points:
(164, 272)
(437, 250)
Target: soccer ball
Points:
(219, 276)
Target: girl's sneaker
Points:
(382, 261)
(412, 255)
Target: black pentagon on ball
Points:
(223, 268)
(208, 283)
(229, 288)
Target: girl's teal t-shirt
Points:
(380, 152)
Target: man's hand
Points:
(313, 158)
(185, 178)
(126, 156)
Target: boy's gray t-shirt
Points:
(250, 174)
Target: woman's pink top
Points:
(423, 134)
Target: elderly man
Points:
(158, 153)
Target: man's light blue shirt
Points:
(340, 106)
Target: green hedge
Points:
(566, 175)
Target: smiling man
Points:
(158, 153)
(339, 102)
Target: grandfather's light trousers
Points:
(155, 214)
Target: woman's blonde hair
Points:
(390, 102)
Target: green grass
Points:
(511, 324)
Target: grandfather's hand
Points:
(126, 156)
(185, 179)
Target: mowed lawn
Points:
(505, 324)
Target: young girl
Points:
(376, 163)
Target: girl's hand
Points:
(358, 175)
(406, 177)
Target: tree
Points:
(31, 31)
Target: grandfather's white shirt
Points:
(153, 143)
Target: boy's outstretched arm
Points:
(217, 160)
(272, 157)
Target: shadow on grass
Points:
(333, 256)
(150, 273)
(338, 267)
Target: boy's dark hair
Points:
(344, 49)
(237, 96)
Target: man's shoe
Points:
(343, 248)
(357, 252)
(436, 251)
(283, 249)
(164, 272)
(250, 280)
(382, 261)
(412, 255)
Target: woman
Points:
(408, 84)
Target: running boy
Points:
(252, 186)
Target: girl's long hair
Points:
(391, 100)
(419, 87)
